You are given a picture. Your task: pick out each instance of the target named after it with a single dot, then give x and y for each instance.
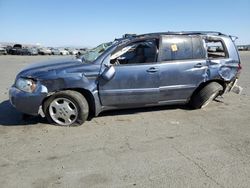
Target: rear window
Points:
(181, 48)
(215, 49)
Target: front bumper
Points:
(28, 103)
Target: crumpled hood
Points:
(37, 70)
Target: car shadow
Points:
(143, 109)
(9, 116)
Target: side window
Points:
(215, 49)
(181, 48)
(198, 48)
(136, 53)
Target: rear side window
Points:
(215, 49)
(181, 48)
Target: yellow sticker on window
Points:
(174, 47)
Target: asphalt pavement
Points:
(170, 146)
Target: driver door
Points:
(135, 83)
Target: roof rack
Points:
(130, 36)
(200, 32)
(175, 33)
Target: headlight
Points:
(25, 84)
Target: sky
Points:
(91, 22)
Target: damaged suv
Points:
(134, 71)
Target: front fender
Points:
(86, 85)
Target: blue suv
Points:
(134, 71)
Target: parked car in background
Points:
(44, 51)
(82, 51)
(136, 71)
(3, 51)
(72, 51)
(63, 51)
(8, 48)
(243, 48)
(16, 50)
(55, 51)
(29, 51)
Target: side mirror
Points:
(108, 73)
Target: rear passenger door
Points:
(183, 67)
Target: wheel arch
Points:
(88, 96)
(203, 84)
(90, 99)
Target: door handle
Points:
(198, 65)
(152, 69)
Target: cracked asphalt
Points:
(151, 147)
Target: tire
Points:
(66, 108)
(206, 95)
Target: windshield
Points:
(94, 53)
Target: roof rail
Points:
(201, 32)
(183, 33)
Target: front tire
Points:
(206, 95)
(66, 108)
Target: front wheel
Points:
(66, 108)
(206, 95)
